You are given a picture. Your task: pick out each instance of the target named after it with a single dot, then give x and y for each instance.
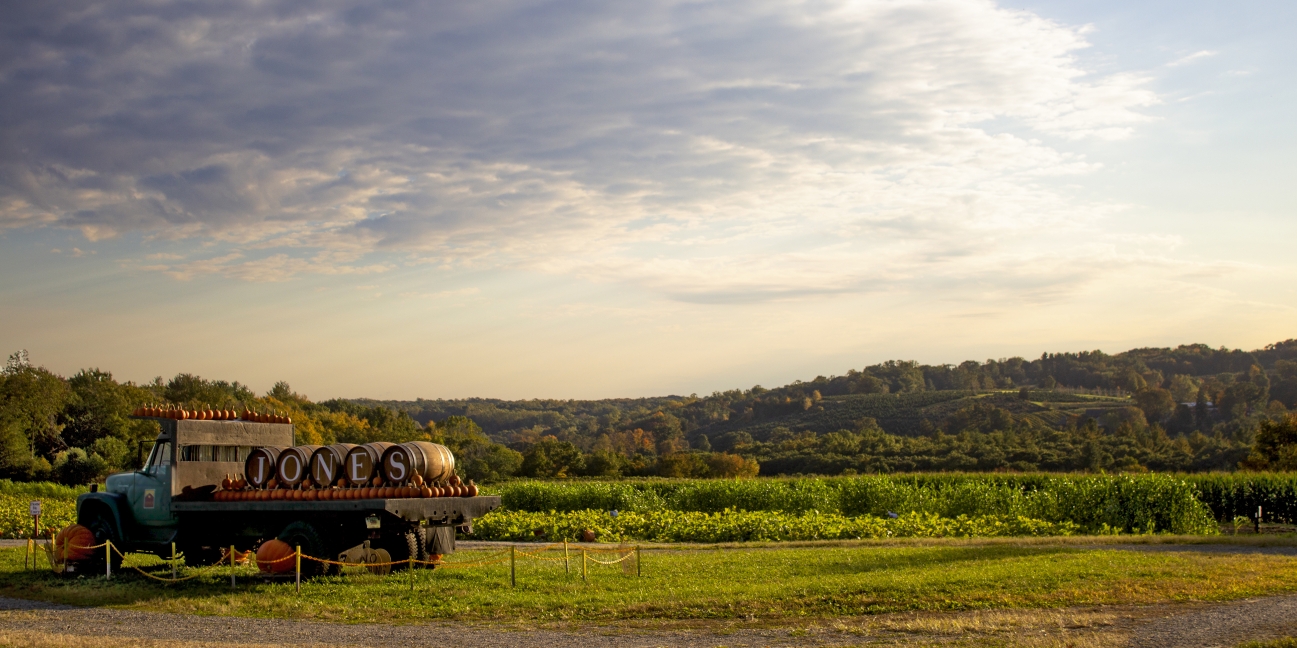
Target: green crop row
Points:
(750, 526)
(15, 518)
(1132, 504)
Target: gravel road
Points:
(1225, 624)
(1166, 626)
(22, 615)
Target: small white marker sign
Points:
(36, 508)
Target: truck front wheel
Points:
(100, 522)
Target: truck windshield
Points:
(159, 456)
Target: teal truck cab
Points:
(169, 500)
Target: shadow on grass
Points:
(864, 561)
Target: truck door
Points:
(151, 497)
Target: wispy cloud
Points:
(731, 151)
(1196, 56)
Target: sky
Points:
(531, 199)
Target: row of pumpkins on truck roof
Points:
(206, 413)
(345, 471)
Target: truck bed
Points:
(447, 510)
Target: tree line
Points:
(1188, 408)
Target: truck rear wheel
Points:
(302, 534)
(199, 556)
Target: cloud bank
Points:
(711, 152)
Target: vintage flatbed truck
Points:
(168, 501)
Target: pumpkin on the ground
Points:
(73, 543)
(269, 557)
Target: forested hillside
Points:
(1190, 408)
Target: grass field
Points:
(778, 584)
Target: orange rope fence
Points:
(231, 558)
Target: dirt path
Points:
(19, 618)
(31, 624)
(1225, 624)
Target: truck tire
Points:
(414, 544)
(421, 539)
(100, 522)
(302, 534)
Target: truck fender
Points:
(115, 503)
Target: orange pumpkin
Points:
(73, 542)
(425, 491)
(274, 557)
(472, 489)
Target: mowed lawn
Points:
(764, 583)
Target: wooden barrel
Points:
(294, 464)
(361, 463)
(259, 468)
(326, 463)
(431, 461)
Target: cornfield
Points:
(1094, 504)
(1239, 494)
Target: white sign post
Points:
(35, 510)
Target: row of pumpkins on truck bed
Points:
(206, 413)
(345, 471)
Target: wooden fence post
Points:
(231, 566)
(513, 573)
(298, 568)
